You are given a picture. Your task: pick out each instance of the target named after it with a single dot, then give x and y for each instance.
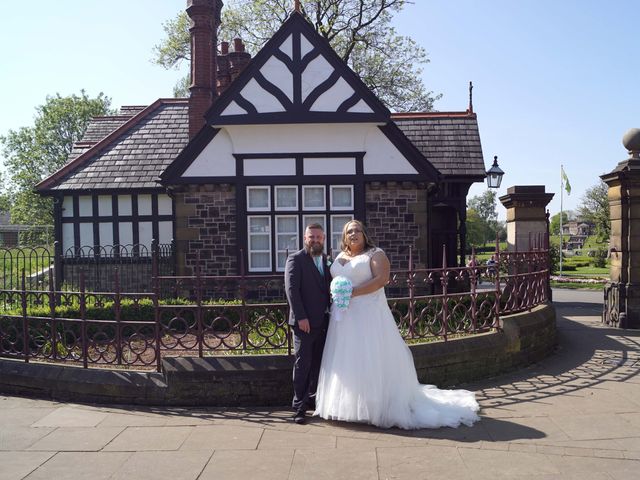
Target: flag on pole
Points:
(565, 180)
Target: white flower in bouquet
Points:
(341, 289)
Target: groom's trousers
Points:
(308, 349)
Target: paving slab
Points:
(315, 464)
(597, 426)
(16, 438)
(136, 439)
(17, 465)
(71, 416)
(223, 437)
(507, 464)
(290, 440)
(16, 416)
(80, 465)
(179, 465)
(249, 465)
(426, 462)
(77, 439)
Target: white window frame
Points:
(249, 251)
(338, 209)
(259, 209)
(324, 199)
(276, 233)
(275, 199)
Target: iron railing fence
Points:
(95, 264)
(207, 315)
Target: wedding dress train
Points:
(367, 373)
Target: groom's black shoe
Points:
(300, 417)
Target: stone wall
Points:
(262, 380)
(397, 219)
(206, 224)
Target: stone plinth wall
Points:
(266, 380)
(397, 219)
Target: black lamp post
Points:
(494, 174)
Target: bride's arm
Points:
(380, 269)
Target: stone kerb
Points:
(265, 380)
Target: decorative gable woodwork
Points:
(297, 78)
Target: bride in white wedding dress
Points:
(367, 373)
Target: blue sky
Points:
(555, 82)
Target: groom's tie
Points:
(318, 261)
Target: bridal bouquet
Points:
(341, 289)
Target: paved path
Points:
(574, 416)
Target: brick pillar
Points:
(622, 292)
(526, 216)
(205, 16)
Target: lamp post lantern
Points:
(494, 174)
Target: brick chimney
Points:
(230, 64)
(205, 17)
(238, 59)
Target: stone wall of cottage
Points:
(206, 225)
(397, 219)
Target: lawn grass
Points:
(577, 286)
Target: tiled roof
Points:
(131, 149)
(125, 151)
(450, 141)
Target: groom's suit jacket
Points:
(307, 290)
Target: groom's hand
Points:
(304, 325)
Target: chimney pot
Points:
(238, 46)
(224, 48)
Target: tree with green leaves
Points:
(595, 209)
(360, 31)
(33, 153)
(554, 224)
(482, 218)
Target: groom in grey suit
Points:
(307, 280)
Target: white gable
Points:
(381, 156)
(216, 160)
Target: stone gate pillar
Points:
(622, 292)
(526, 216)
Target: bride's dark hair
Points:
(368, 243)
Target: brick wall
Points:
(206, 224)
(397, 219)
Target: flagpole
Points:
(561, 195)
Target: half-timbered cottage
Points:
(262, 147)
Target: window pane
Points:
(313, 197)
(288, 242)
(259, 261)
(282, 260)
(341, 197)
(309, 219)
(258, 198)
(259, 225)
(259, 242)
(337, 224)
(287, 224)
(287, 198)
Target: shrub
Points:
(600, 258)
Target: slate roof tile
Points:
(450, 143)
(137, 157)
